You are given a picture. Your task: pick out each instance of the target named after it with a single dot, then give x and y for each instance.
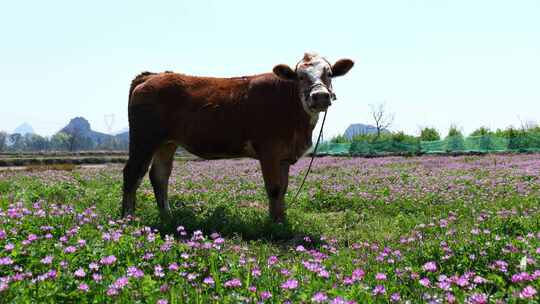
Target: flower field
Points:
(384, 230)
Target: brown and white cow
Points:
(269, 117)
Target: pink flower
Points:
(70, 249)
(272, 260)
(380, 276)
(80, 273)
(379, 290)
(134, 272)
(96, 277)
(266, 295)
(424, 282)
(84, 287)
(358, 274)
(47, 260)
(233, 283)
(108, 260)
(478, 298)
(290, 284)
(162, 301)
(527, 292)
(430, 267)
(395, 297)
(319, 297)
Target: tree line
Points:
(60, 141)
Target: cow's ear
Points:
(284, 72)
(341, 67)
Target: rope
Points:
(312, 158)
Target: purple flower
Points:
(120, 283)
(478, 298)
(6, 261)
(47, 260)
(84, 287)
(108, 260)
(338, 300)
(424, 282)
(158, 271)
(209, 281)
(112, 292)
(173, 267)
(233, 283)
(80, 273)
(379, 290)
(272, 260)
(319, 297)
(528, 292)
(93, 266)
(134, 272)
(430, 267)
(380, 276)
(70, 249)
(395, 297)
(520, 277)
(290, 284)
(358, 274)
(266, 295)
(96, 277)
(162, 301)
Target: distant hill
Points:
(360, 129)
(90, 139)
(24, 129)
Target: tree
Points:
(60, 141)
(3, 138)
(382, 119)
(429, 134)
(482, 131)
(16, 142)
(455, 140)
(36, 142)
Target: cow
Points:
(269, 117)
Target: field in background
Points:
(59, 158)
(423, 229)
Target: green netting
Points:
(453, 144)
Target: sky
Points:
(432, 63)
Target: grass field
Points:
(406, 230)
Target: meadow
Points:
(430, 229)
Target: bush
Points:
(429, 134)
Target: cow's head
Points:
(314, 77)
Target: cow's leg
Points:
(145, 136)
(159, 177)
(134, 171)
(276, 180)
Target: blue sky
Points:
(433, 63)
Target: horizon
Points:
(433, 63)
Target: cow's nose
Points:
(321, 98)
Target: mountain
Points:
(23, 129)
(360, 129)
(87, 138)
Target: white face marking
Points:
(314, 75)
